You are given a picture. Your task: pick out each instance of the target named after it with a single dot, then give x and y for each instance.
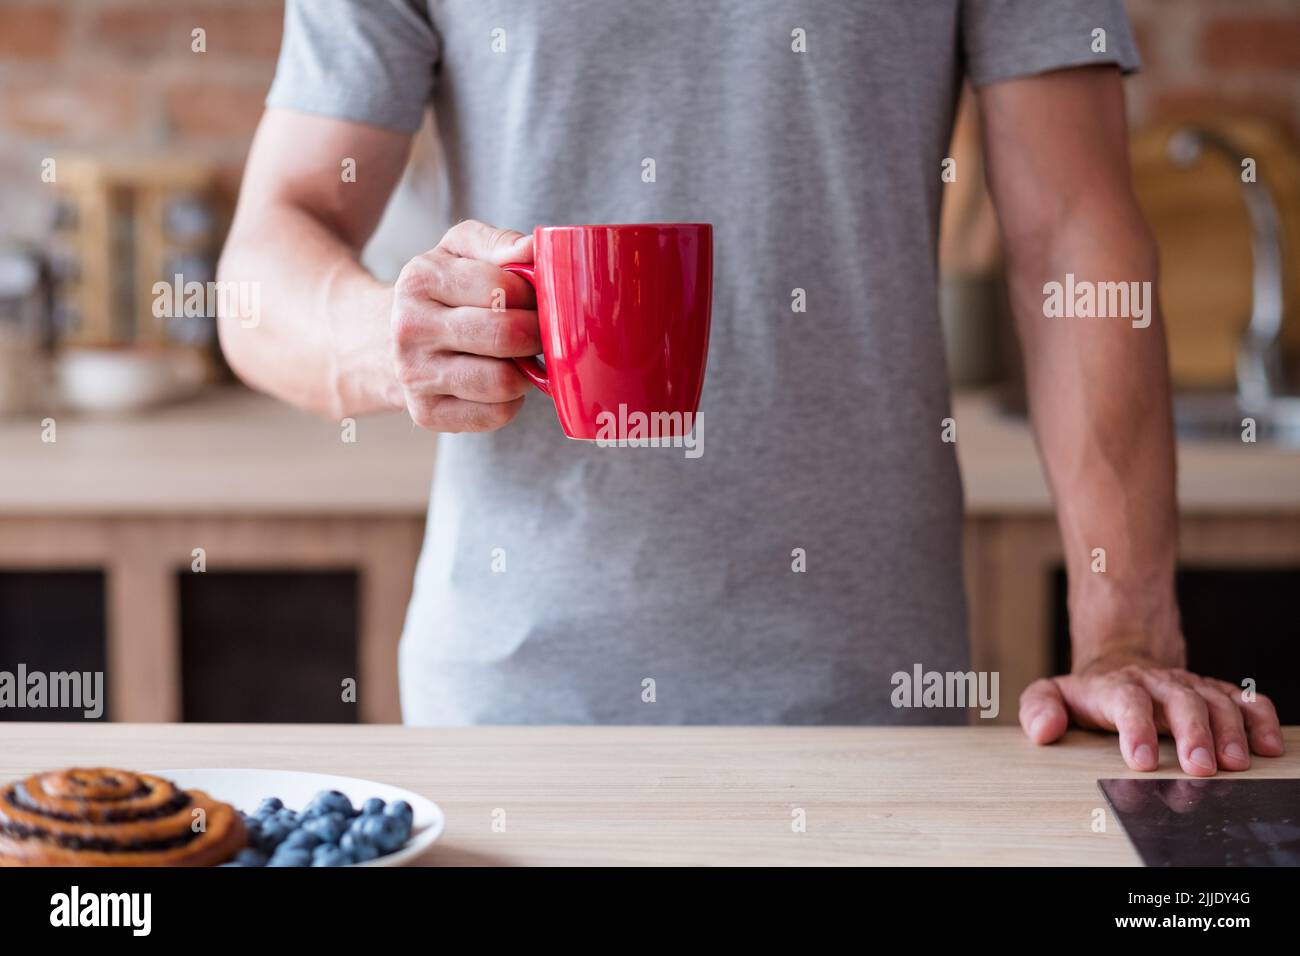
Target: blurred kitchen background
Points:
(222, 557)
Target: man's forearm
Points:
(1099, 392)
(320, 340)
(1099, 396)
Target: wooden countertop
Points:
(235, 452)
(1003, 476)
(229, 451)
(681, 795)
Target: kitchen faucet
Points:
(1259, 355)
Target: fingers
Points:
(1212, 726)
(1263, 728)
(445, 413)
(421, 337)
(1043, 713)
(1111, 702)
(457, 315)
(1187, 718)
(1118, 702)
(439, 276)
(1129, 709)
(472, 239)
(473, 378)
(1228, 726)
(456, 321)
(510, 333)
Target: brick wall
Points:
(120, 75)
(1241, 55)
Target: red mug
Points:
(624, 314)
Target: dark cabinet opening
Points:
(52, 623)
(268, 646)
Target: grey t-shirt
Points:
(813, 549)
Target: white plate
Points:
(246, 789)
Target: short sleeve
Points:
(1002, 39)
(367, 61)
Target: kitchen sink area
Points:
(1220, 416)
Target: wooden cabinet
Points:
(143, 558)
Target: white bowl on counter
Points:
(125, 379)
(245, 789)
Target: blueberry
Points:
(300, 840)
(402, 810)
(330, 801)
(372, 806)
(250, 857)
(269, 806)
(285, 815)
(283, 857)
(253, 827)
(273, 834)
(386, 832)
(328, 855)
(328, 828)
(360, 847)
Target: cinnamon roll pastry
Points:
(102, 817)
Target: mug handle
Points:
(533, 370)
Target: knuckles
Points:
(1130, 697)
(413, 281)
(407, 328)
(412, 305)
